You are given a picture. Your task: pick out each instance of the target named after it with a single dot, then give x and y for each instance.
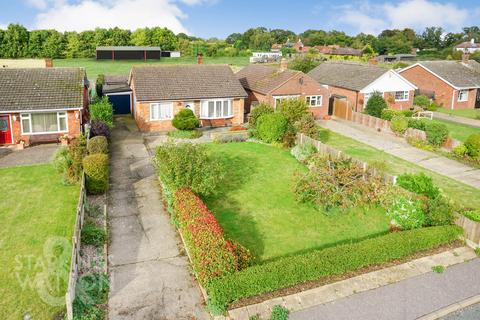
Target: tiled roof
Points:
(115, 84)
(348, 75)
(41, 89)
(455, 72)
(128, 48)
(468, 45)
(264, 79)
(178, 82)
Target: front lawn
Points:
(458, 131)
(256, 206)
(36, 210)
(467, 113)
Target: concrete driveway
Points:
(400, 148)
(149, 273)
(10, 156)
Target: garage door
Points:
(121, 103)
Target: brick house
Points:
(452, 84)
(212, 92)
(41, 105)
(268, 84)
(356, 82)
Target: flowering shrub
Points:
(302, 152)
(212, 255)
(407, 213)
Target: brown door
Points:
(5, 130)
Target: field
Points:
(122, 67)
(256, 206)
(37, 215)
(467, 113)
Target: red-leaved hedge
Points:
(212, 255)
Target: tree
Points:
(15, 41)
(233, 38)
(163, 38)
(432, 38)
(140, 37)
(375, 105)
(304, 64)
(281, 36)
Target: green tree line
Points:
(18, 42)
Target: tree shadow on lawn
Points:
(228, 210)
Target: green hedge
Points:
(292, 270)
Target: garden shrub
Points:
(62, 160)
(185, 134)
(77, 150)
(185, 119)
(407, 213)
(473, 215)
(96, 173)
(99, 85)
(420, 144)
(422, 101)
(272, 127)
(407, 113)
(439, 211)
(302, 152)
(97, 144)
(102, 110)
(399, 124)
(91, 290)
(307, 125)
(212, 255)
(279, 313)
(473, 145)
(257, 112)
(182, 165)
(433, 106)
(303, 63)
(388, 114)
(292, 109)
(316, 264)
(375, 105)
(460, 150)
(99, 128)
(243, 256)
(93, 235)
(231, 136)
(419, 124)
(437, 133)
(419, 183)
(331, 183)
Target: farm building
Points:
(128, 53)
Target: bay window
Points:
(48, 122)
(215, 109)
(279, 99)
(161, 111)
(401, 96)
(314, 101)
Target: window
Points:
(161, 111)
(401, 96)
(368, 95)
(215, 109)
(314, 101)
(53, 122)
(278, 99)
(463, 95)
(189, 105)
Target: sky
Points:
(219, 18)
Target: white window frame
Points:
(284, 97)
(406, 95)
(159, 105)
(318, 100)
(367, 96)
(462, 95)
(28, 117)
(204, 112)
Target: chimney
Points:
(199, 58)
(283, 64)
(373, 61)
(465, 57)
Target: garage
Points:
(128, 53)
(119, 94)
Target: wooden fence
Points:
(75, 257)
(327, 150)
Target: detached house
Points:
(268, 84)
(357, 82)
(212, 92)
(41, 105)
(452, 84)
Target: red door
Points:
(5, 130)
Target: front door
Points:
(477, 102)
(5, 131)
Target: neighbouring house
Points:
(468, 46)
(265, 57)
(451, 84)
(269, 84)
(401, 57)
(119, 94)
(41, 105)
(356, 82)
(212, 92)
(298, 46)
(128, 53)
(336, 50)
(26, 63)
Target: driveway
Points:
(461, 120)
(40, 154)
(400, 148)
(149, 273)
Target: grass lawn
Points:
(256, 206)
(122, 67)
(467, 113)
(458, 131)
(461, 193)
(35, 208)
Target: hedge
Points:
(289, 271)
(96, 173)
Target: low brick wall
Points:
(471, 228)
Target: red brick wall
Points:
(399, 105)
(354, 98)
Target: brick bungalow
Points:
(268, 84)
(452, 84)
(212, 92)
(41, 105)
(357, 82)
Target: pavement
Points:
(469, 313)
(406, 300)
(39, 154)
(399, 147)
(461, 120)
(149, 273)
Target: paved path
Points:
(469, 313)
(9, 156)
(460, 120)
(405, 300)
(149, 275)
(400, 148)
